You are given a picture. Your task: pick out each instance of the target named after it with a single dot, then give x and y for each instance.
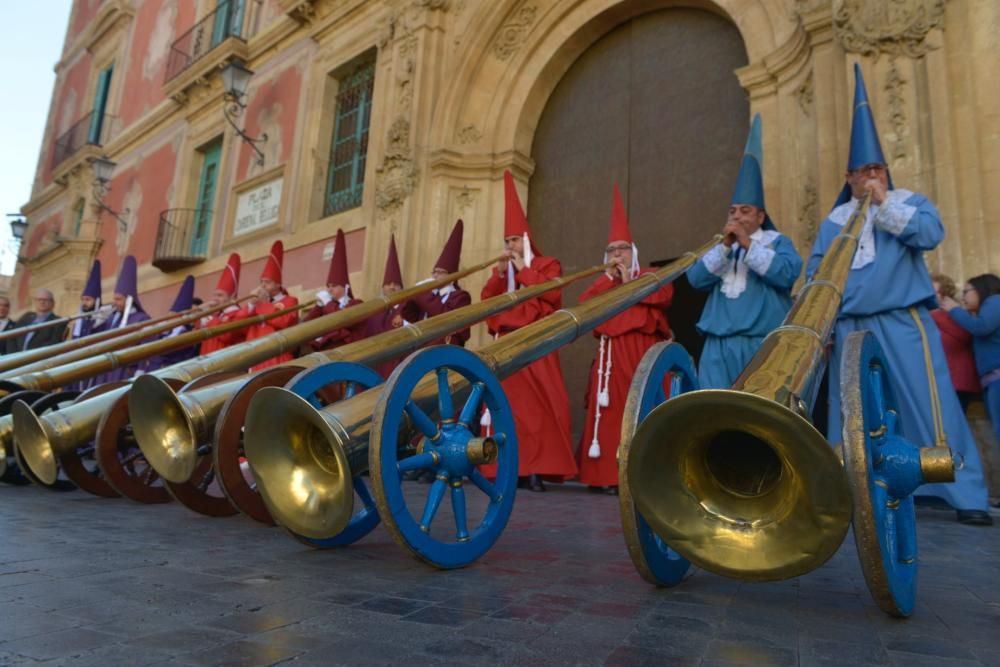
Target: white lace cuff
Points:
(893, 215)
(716, 260)
(759, 257)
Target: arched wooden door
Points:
(655, 106)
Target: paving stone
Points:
(60, 644)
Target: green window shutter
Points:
(100, 106)
(349, 146)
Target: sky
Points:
(31, 46)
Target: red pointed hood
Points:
(272, 268)
(337, 274)
(393, 274)
(452, 253)
(619, 221)
(229, 279)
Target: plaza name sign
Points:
(258, 208)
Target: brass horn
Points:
(303, 459)
(739, 481)
(43, 439)
(169, 426)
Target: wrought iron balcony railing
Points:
(91, 130)
(182, 238)
(225, 21)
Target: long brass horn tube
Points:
(20, 331)
(303, 459)
(43, 440)
(92, 366)
(738, 481)
(169, 426)
(80, 348)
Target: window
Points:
(349, 146)
(100, 106)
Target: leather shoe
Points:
(596, 489)
(611, 490)
(535, 484)
(974, 517)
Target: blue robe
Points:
(81, 329)
(114, 322)
(888, 293)
(174, 357)
(750, 296)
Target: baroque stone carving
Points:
(469, 135)
(893, 87)
(512, 34)
(396, 177)
(897, 27)
(808, 215)
(804, 95)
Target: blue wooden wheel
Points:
(309, 384)
(880, 471)
(665, 371)
(445, 410)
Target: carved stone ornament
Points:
(896, 27)
(512, 34)
(396, 177)
(469, 135)
(804, 95)
(899, 132)
(808, 215)
(441, 5)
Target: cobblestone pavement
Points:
(91, 581)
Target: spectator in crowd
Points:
(957, 344)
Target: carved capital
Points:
(896, 27)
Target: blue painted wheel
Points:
(665, 371)
(445, 410)
(311, 385)
(885, 529)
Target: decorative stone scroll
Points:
(511, 35)
(896, 27)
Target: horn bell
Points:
(33, 439)
(739, 485)
(163, 429)
(299, 462)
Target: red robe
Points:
(430, 304)
(337, 337)
(382, 322)
(275, 324)
(537, 393)
(222, 341)
(630, 334)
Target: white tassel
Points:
(511, 286)
(603, 398)
(486, 420)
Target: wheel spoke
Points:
(484, 485)
(445, 406)
(424, 424)
(458, 507)
(471, 408)
(676, 384)
(131, 457)
(207, 479)
(361, 489)
(434, 498)
(416, 462)
(351, 389)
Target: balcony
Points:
(182, 238)
(91, 130)
(225, 22)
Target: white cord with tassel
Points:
(603, 396)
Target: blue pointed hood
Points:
(93, 286)
(750, 182)
(185, 296)
(865, 145)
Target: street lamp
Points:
(103, 169)
(18, 226)
(235, 81)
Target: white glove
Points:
(102, 314)
(324, 297)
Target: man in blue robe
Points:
(90, 302)
(888, 293)
(750, 275)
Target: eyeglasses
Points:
(617, 248)
(875, 168)
(37, 298)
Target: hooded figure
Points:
(450, 297)
(184, 301)
(749, 277)
(90, 302)
(126, 310)
(888, 293)
(271, 297)
(225, 290)
(622, 341)
(399, 315)
(336, 297)
(537, 392)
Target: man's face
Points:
(270, 286)
(118, 301)
(217, 297)
(620, 252)
(4, 308)
(438, 273)
(87, 303)
(44, 303)
(391, 288)
(336, 291)
(748, 216)
(515, 244)
(862, 179)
